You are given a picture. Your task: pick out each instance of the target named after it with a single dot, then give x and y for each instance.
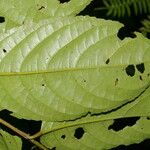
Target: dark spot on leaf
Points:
(54, 148)
(107, 61)
(130, 70)
(43, 84)
(2, 19)
(63, 136)
(63, 1)
(42, 7)
(4, 50)
(141, 78)
(84, 80)
(140, 67)
(148, 118)
(116, 81)
(121, 123)
(79, 132)
(148, 74)
(125, 32)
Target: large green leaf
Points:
(35, 10)
(97, 136)
(9, 142)
(62, 69)
(94, 132)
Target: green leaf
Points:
(95, 132)
(145, 29)
(9, 142)
(35, 10)
(97, 136)
(63, 68)
(120, 8)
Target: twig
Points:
(23, 134)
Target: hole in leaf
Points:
(63, 136)
(43, 84)
(140, 67)
(42, 7)
(84, 80)
(148, 118)
(107, 61)
(2, 19)
(64, 1)
(4, 50)
(144, 145)
(130, 70)
(125, 32)
(121, 123)
(141, 78)
(54, 148)
(116, 81)
(79, 132)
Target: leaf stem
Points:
(100, 8)
(23, 134)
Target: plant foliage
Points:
(96, 132)
(36, 10)
(146, 26)
(121, 8)
(9, 142)
(74, 74)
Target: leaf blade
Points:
(9, 142)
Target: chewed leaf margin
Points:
(37, 10)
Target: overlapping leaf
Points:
(97, 136)
(97, 132)
(9, 142)
(62, 69)
(17, 12)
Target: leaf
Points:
(121, 8)
(35, 10)
(9, 142)
(61, 69)
(145, 29)
(97, 136)
(94, 132)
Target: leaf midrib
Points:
(60, 70)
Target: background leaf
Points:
(97, 136)
(121, 8)
(145, 29)
(9, 142)
(35, 10)
(99, 131)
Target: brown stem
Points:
(23, 134)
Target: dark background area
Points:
(132, 23)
